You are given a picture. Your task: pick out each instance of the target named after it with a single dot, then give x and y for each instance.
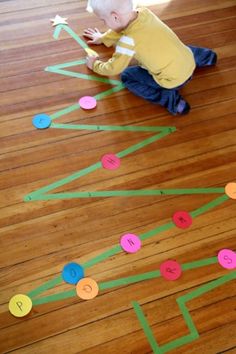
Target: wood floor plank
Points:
(38, 238)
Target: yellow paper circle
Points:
(20, 305)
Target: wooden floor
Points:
(39, 238)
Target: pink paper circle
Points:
(87, 102)
(110, 162)
(227, 258)
(182, 219)
(170, 270)
(130, 243)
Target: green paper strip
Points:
(64, 111)
(116, 128)
(121, 281)
(54, 70)
(56, 297)
(146, 328)
(117, 88)
(82, 61)
(210, 205)
(116, 249)
(46, 286)
(39, 194)
(64, 181)
(156, 231)
(188, 319)
(198, 264)
(114, 193)
(66, 65)
(76, 106)
(129, 280)
(186, 315)
(102, 257)
(207, 287)
(71, 33)
(155, 274)
(142, 144)
(180, 342)
(184, 339)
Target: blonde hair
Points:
(108, 6)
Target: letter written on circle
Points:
(130, 243)
(170, 270)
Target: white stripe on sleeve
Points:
(125, 51)
(127, 40)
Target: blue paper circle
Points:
(42, 121)
(72, 273)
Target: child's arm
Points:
(108, 38)
(119, 61)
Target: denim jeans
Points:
(141, 83)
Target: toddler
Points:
(165, 64)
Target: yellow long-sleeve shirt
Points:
(154, 45)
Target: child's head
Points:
(115, 13)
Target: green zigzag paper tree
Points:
(160, 132)
(42, 194)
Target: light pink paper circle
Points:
(110, 162)
(130, 243)
(170, 270)
(182, 219)
(87, 102)
(227, 258)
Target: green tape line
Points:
(64, 181)
(74, 74)
(58, 69)
(71, 33)
(121, 281)
(106, 194)
(155, 274)
(116, 249)
(184, 339)
(129, 280)
(116, 128)
(143, 143)
(111, 252)
(56, 297)
(146, 328)
(64, 111)
(46, 286)
(186, 315)
(84, 45)
(156, 231)
(76, 106)
(198, 264)
(145, 236)
(207, 287)
(210, 205)
(65, 65)
(101, 95)
(179, 342)
(40, 194)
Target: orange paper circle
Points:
(230, 190)
(87, 289)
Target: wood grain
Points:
(37, 239)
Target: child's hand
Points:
(93, 34)
(90, 61)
